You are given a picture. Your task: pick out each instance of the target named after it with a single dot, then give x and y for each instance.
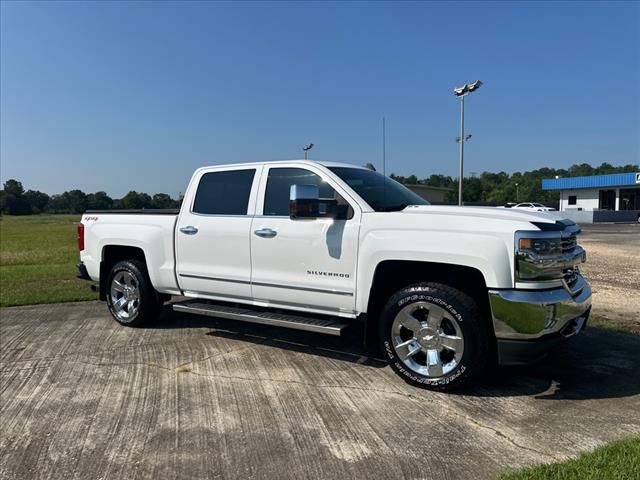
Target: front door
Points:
(212, 235)
(308, 263)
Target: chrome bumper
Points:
(532, 314)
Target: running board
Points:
(310, 324)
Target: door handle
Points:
(189, 230)
(266, 233)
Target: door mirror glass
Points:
(304, 201)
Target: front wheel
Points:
(131, 298)
(433, 336)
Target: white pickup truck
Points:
(444, 291)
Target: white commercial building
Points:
(615, 192)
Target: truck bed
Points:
(138, 211)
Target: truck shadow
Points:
(597, 364)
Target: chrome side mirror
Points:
(304, 201)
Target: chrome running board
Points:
(327, 326)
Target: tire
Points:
(434, 336)
(131, 298)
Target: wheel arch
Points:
(392, 275)
(112, 254)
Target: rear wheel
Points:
(131, 298)
(433, 336)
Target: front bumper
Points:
(529, 322)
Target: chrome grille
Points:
(569, 244)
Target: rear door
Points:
(212, 235)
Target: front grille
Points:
(569, 244)
(571, 276)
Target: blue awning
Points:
(612, 180)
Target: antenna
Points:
(384, 149)
(384, 160)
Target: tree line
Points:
(497, 188)
(14, 200)
(488, 187)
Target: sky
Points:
(120, 96)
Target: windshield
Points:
(380, 192)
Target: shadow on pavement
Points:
(597, 364)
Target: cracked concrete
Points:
(192, 397)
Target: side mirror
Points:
(304, 201)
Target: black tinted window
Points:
(276, 199)
(224, 193)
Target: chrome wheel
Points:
(125, 296)
(427, 339)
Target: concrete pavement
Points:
(192, 397)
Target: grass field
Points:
(38, 256)
(616, 461)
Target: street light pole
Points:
(460, 175)
(462, 92)
(306, 148)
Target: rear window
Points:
(224, 193)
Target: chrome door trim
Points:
(305, 289)
(217, 279)
(274, 285)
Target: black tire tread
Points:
(472, 314)
(151, 303)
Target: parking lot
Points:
(613, 269)
(196, 397)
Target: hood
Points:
(493, 213)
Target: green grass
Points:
(618, 460)
(38, 256)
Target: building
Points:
(617, 192)
(437, 195)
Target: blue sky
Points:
(120, 96)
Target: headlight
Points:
(541, 246)
(543, 256)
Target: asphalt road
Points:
(612, 233)
(198, 397)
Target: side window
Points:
(224, 193)
(279, 181)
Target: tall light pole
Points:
(306, 148)
(462, 92)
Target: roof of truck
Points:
(270, 162)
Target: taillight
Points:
(80, 237)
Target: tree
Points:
(412, 180)
(162, 200)
(135, 200)
(37, 200)
(76, 201)
(12, 200)
(99, 201)
(57, 204)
